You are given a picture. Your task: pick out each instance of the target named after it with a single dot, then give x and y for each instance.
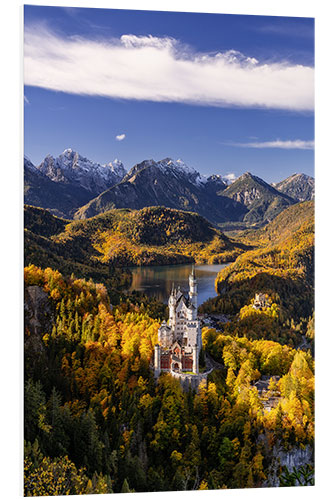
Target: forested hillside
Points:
(96, 422)
(169, 319)
(121, 238)
(281, 265)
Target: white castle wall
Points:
(188, 380)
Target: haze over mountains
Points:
(72, 186)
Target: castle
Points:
(179, 340)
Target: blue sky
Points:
(225, 93)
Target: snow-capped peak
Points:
(117, 167)
(71, 167)
(170, 167)
(193, 174)
(168, 164)
(68, 152)
(181, 164)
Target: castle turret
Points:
(157, 360)
(193, 294)
(172, 307)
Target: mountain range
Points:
(72, 186)
(65, 183)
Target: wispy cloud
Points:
(162, 70)
(26, 100)
(290, 29)
(120, 137)
(290, 144)
(230, 177)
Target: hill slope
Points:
(124, 237)
(42, 248)
(282, 265)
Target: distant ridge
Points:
(301, 187)
(263, 202)
(73, 186)
(170, 184)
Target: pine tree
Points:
(125, 487)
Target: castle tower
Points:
(193, 294)
(172, 307)
(157, 360)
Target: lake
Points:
(156, 281)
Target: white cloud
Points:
(291, 144)
(229, 177)
(163, 70)
(120, 137)
(26, 100)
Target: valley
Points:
(169, 252)
(96, 284)
(123, 238)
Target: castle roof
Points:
(178, 295)
(182, 298)
(164, 326)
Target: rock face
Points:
(301, 187)
(72, 168)
(262, 201)
(38, 320)
(59, 198)
(296, 457)
(38, 311)
(38, 317)
(65, 183)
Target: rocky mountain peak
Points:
(28, 164)
(300, 187)
(72, 168)
(73, 184)
(117, 168)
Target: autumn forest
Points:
(96, 420)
